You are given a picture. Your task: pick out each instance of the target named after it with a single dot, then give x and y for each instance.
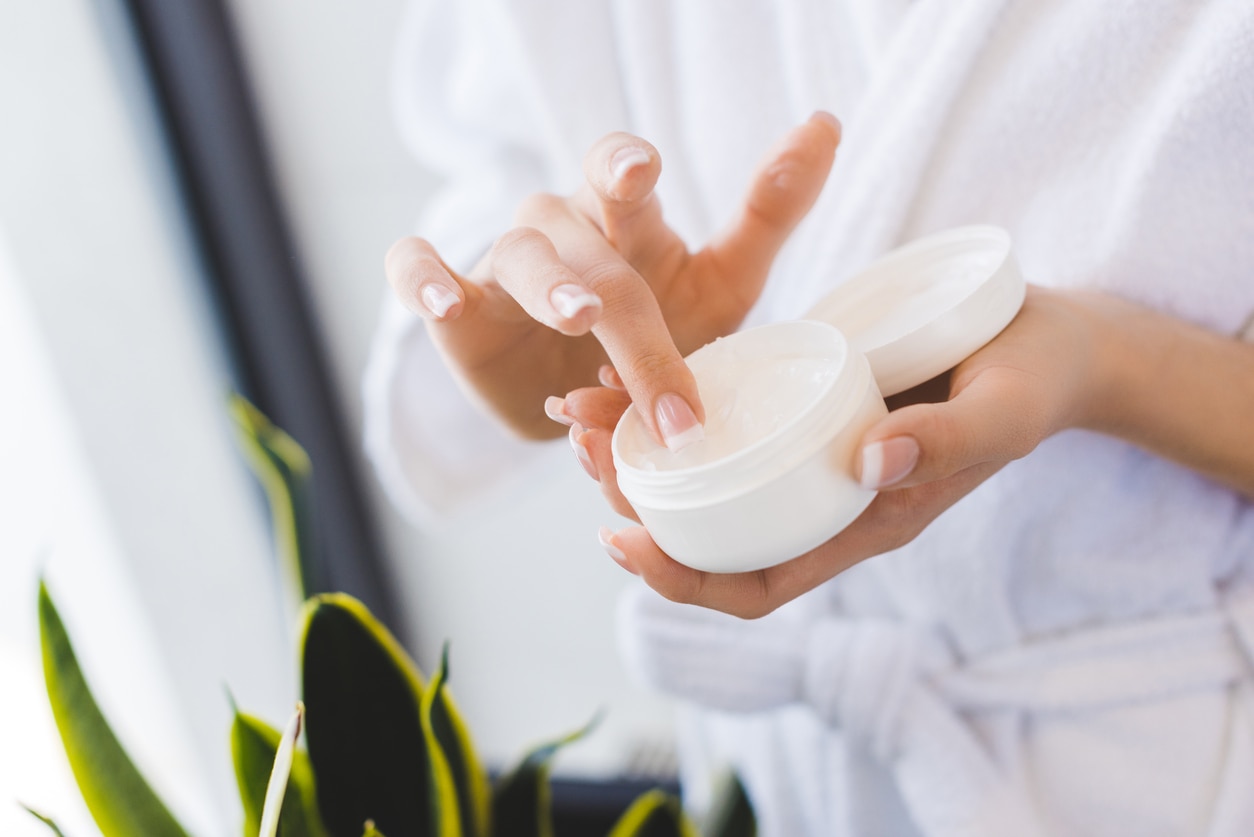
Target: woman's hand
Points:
(1067, 360)
(599, 276)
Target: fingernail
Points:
(438, 299)
(555, 408)
(888, 462)
(606, 535)
(824, 116)
(610, 378)
(581, 453)
(570, 300)
(626, 159)
(677, 422)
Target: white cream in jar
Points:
(746, 399)
(787, 404)
(785, 407)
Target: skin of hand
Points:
(599, 277)
(1070, 359)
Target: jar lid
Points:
(924, 308)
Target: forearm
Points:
(1174, 389)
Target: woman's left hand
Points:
(1040, 375)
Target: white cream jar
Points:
(787, 404)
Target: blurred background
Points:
(196, 197)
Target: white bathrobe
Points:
(1067, 650)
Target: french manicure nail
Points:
(605, 535)
(626, 159)
(826, 117)
(677, 422)
(888, 462)
(581, 453)
(570, 300)
(555, 408)
(438, 299)
(609, 377)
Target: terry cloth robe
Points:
(1067, 650)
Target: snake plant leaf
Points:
(56, 829)
(731, 814)
(459, 782)
(522, 797)
(654, 814)
(254, 745)
(276, 787)
(284, 470)
(363, 725)
(118, 797)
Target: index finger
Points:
(632, 331)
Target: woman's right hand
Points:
(598, 277)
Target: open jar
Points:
(787, 404)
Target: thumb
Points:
(998, 416)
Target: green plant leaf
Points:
(730, 815)
(276, 787)
(654, 814)
(56, 829)
(118, 797)
(522, 798)
(362, 695)
(459, 782)
(284, 470)
(254, 745)
(371, 831)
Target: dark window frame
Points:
(189, 57)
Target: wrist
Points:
(1122, 354)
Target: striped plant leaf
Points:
(522, 798)
(117, 795)
(459, 782)
(284, 470)
(654, 814)
(363, 695)
(276, 787)
(730, 815)
(48, 821)
(254, 745)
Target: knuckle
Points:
(902, 513)
(515, 238)
(613, 281)
(652, 363)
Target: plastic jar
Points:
(787, 404)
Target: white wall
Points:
(118, 466)
(526, 595)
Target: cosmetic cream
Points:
(787, 404)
